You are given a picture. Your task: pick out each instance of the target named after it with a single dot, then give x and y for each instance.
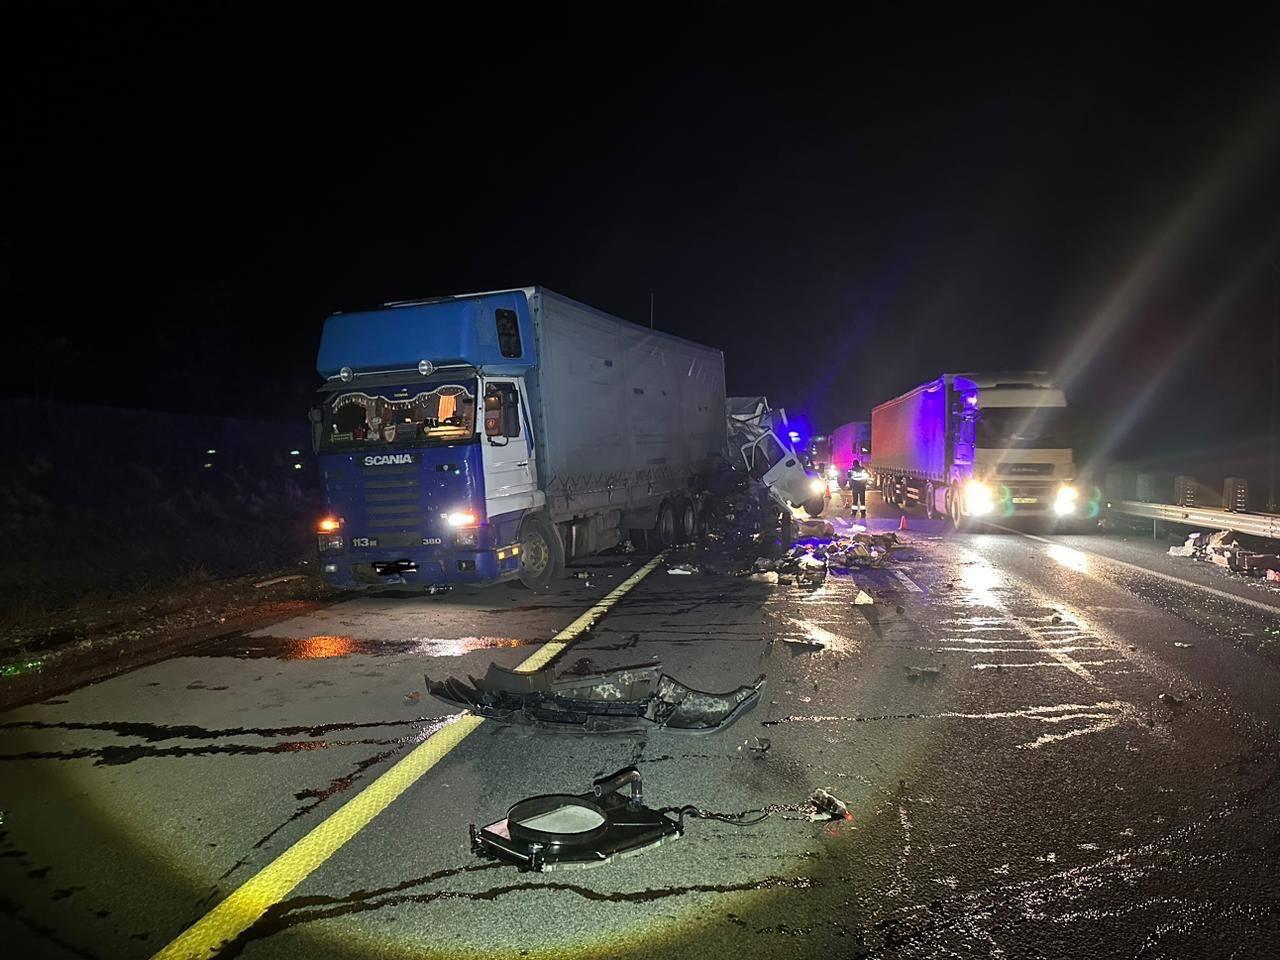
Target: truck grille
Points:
(392, 504)
(1024, 469)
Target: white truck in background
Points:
(994, 446)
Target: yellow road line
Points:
(241, 910)
(555, 646)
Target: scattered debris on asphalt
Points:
(562, 830)
(274, 580)
(1222, 549)
(798, 645)
(682, 569)
(623, 700)
(927, 674)
(863, 598)
(1184, 646)
(1169, 700)
(817, 529)
(825, 806)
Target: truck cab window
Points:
(508, 333)
(359, 419)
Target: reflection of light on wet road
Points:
(1069, 558)
(460, 646)
(981, 579)
(320, 648)
(832, 641)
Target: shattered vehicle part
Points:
(826, 806)
(561, 831)
(624, 700)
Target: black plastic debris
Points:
(563, 831)
(624, 700)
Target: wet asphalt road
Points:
(994, 721)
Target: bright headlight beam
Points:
(979, 500)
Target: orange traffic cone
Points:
(902, 524)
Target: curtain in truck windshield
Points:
(446, 414)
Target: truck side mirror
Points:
(316, 428)
(501, 410)
(492, 414)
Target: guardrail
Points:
(1251, 524)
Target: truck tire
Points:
(664, 531)
(815, 506)
(953, 508)
(930, 501)
(701, 517)
(541, 553)
(687, 526)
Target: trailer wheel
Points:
(815, 506)
(930, 501)
(665, 529)
(701, 517)
(541, 554)
(688, 526)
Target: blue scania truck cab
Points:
(485, 437)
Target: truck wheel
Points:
(815, 506)
(930, 501)
(688, 526)
(702, 518)
(665, 529)
(541, 554)
(953, 508)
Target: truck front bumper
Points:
(421, 569)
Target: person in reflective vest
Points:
(858, 478)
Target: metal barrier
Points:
(1251, 524)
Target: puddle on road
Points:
(325, 647)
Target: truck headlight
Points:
(818, 486)
(1065, 503)
(462, 518)
(465, 538)
(979, 499)
(329, 537)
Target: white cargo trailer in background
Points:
(979, 445)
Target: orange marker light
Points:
(328, 525)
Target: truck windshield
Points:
(445, 413)
(1040, 427)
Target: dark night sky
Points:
(847, 207)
